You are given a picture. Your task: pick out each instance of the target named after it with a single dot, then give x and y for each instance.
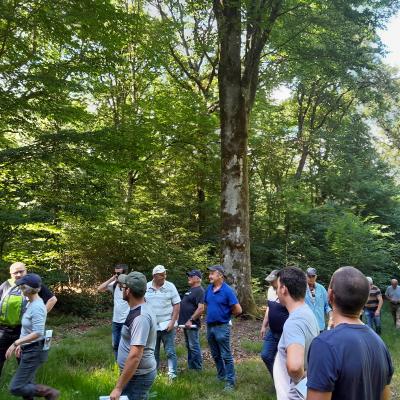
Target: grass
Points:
(82, 368)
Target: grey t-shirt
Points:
(300, 328)
(394, 294)
(34, 319)
(121, 307)
(139, 329)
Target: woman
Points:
(29, 346)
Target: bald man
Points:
(393, 295)
(10, 332)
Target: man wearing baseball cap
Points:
(317, 299)
(136, 359)
(192, 306)
(164, 299)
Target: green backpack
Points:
(12, 307)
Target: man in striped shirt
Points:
(372, 308)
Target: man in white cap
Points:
(164, 299)
(372, 308)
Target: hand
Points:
(377, 312)
(115, 394)
(10, 351)
(262, 332)
(170, 326)
(18, 352)
(188, 324)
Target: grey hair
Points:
(31, 290)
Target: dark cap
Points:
(218, 268)
(194, 272)
(32, 280)
(311, 271)
(272, 276)
(135, 281)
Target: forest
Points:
(187, 133)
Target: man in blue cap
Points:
(192, 306)
(221, 303)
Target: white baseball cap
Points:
(159, 269)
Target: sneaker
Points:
(229, 388)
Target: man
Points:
(121, 307)
(372, 308)
(138, 338)
(221, 303)
(349, 362)
(298, 331)
(192, 306)
(13, 302)
(275, 316)
(163, 297)
(317, 299)
(393, 295)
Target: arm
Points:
(315, 395)
(295, 361)
(131, 364)
(196, 315)
(236, 309)
(264, 324)
(380, 304)
(16, 345)
(386, 394)
(103, 286)
(51, 303)
(175, 314)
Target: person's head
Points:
(348, 291)
(17, 270)
(120, 269)
(194, 277)
(29, 284)
(133, 285)
(272, 278)
(394, 283)
(370, 281)
(311, 275)
(216, 274)
(292, 285)
(159, 275)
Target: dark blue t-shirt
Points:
(351, 361)
(189, 304)
(219, 303)
(277, 316)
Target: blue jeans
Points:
(168, 340)
(269, 350)
(192, 338)
(22, 383)
(372, 320)
(139, 386)
(116, 336)
(219, 340)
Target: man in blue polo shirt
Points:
(221, 303)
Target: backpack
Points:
(12, 307)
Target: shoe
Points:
(47, 392)
(229, 388)
(171, 377)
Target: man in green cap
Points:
(138, 339)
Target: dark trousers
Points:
(23, 381)
(269, 350)
(7, 337)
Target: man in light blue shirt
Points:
(393, 295)
(317, 299)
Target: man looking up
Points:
(393, 295)
(317, 299)
(221, 303)
(121, 307)
(192, 306)
(164, 299)
(12, 306)
(299, 330)
(372, 308)
(349, 362)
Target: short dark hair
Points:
(351, 290)
(124, 267)
(295, 281)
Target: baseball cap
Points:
(218, 268)
(194, 272)
(272, 276)
(32, 280)
(135, 281)
(159, 269)
(311, 271)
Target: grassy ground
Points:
(81, 365)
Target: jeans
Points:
(269, 350)
(22, 383)
(7, 337)
(168, 340)
(219, 340)
(192, 339)
(139, 386)
(116, 336)
(372, 320)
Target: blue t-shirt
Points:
(219, 303)
(351, 361)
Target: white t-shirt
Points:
(121, 307)
(271, 294)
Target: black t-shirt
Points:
(351, 361)
(277, 316)
(190, 301)
(45, 293)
